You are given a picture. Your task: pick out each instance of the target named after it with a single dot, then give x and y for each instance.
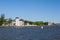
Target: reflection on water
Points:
(30, 33)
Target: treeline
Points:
(9, 21)
(39, 23)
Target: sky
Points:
(32, 10)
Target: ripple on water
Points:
(30, 33)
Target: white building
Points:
(17, 22)
(50, 23)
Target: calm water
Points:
(30, 33)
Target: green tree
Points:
(25, 22)
(45, 23)
(30, 22)
(38, 23)
(2, 19)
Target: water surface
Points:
(30, 33)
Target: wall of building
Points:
(17, 22)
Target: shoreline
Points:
(26, 26)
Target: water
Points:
(30, 33)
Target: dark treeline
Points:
(36, 23)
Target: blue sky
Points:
(33, 10)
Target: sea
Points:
(30, 33)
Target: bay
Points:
(30, 33)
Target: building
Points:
(49, 23)
(17, 22)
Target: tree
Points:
(38, 23)
(25, 22)
(2, 19)
(30, 22)
(45, 23)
